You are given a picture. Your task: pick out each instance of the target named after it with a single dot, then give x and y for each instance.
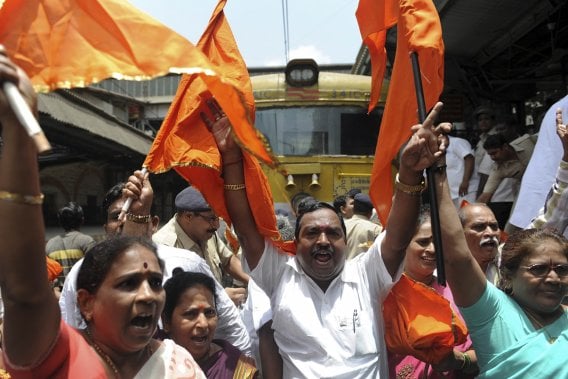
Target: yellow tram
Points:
(317, 125)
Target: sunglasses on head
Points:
(541, 270)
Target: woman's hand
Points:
(12, 73)
(427, 144)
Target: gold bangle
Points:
(22, 199)
(234, 187)
(138, 219)
(415, 190)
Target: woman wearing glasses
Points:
(519, 330)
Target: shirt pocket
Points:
(358, 332)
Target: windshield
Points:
(345, 130)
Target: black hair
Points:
(99, 259)
(296, 199)
(181, 282)
(312, 206)
(70, 216)
(360, 207)
(521, 244)
(339, 201)
(111, 196)
(494, 141)
(352, 192)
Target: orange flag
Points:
(73, 43)
(184, 143)
(419, 31)
(374, 18)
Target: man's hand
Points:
(562, 132)
(138, 188)
(238, 295)
(220, 126)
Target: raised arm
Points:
(421, 151)
(31, 318)
(236, 198)
(463, 274)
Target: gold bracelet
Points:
(138, 219)
(234, 187)
(415, 190)
(22, 199)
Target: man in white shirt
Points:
(230, 326)
(327, 315)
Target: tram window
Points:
(359, 133)
(305, 143)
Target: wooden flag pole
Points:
(434, 214)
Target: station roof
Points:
(501, 50)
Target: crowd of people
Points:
(180, 302)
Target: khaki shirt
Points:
(361, 233)
(214, 251)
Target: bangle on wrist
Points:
(21, 198)
(414, 190)
(234, 187)
(466, 362)
(138, 219)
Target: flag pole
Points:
(434, 214)
(25, 116)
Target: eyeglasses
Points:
(540, 270)
(209, 219)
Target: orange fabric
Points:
(420, 322)
(64, 44)
(374, 18)
(54, 269)
(419, 30)
(184, 143)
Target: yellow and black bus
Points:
(317, 125)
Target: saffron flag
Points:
(185, 144)
(419, 31)
(374, 18)
(73, 43)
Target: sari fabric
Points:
(229, 363)
(508, 345)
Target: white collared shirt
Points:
(336, 334)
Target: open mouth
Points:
(322, 257)
(143, 321)
(200, 340)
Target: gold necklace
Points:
(108, 360)
(102, 354)
(534, 320)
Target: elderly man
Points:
(327, 315)
(482, 235)
(194, 227)
(139, 223)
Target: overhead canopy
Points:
(72, 121)
(503, 50)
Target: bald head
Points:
(481, 232)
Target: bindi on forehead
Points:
(145, 265)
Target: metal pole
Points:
(434, 214)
